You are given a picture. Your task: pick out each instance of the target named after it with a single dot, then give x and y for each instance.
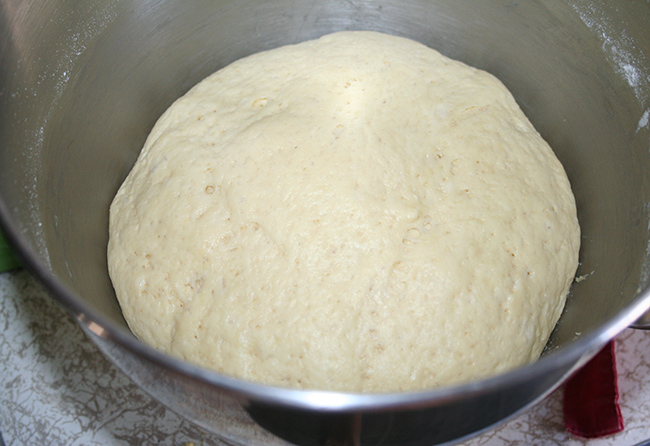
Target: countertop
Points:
(57, 389)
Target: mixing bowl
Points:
(82, 83)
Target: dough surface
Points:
(353, 213)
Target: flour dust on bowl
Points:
(82, 85)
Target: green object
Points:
(8, 260)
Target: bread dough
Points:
(353, 213)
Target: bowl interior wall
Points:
(70, 137)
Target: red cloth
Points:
(591, 398)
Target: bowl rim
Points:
(572, 356)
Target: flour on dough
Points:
(353, 213)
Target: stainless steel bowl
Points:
(81, 84)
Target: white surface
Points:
(57, 389)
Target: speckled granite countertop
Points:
(57, 389)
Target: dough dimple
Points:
(354, 213)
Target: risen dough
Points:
(353, 213)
